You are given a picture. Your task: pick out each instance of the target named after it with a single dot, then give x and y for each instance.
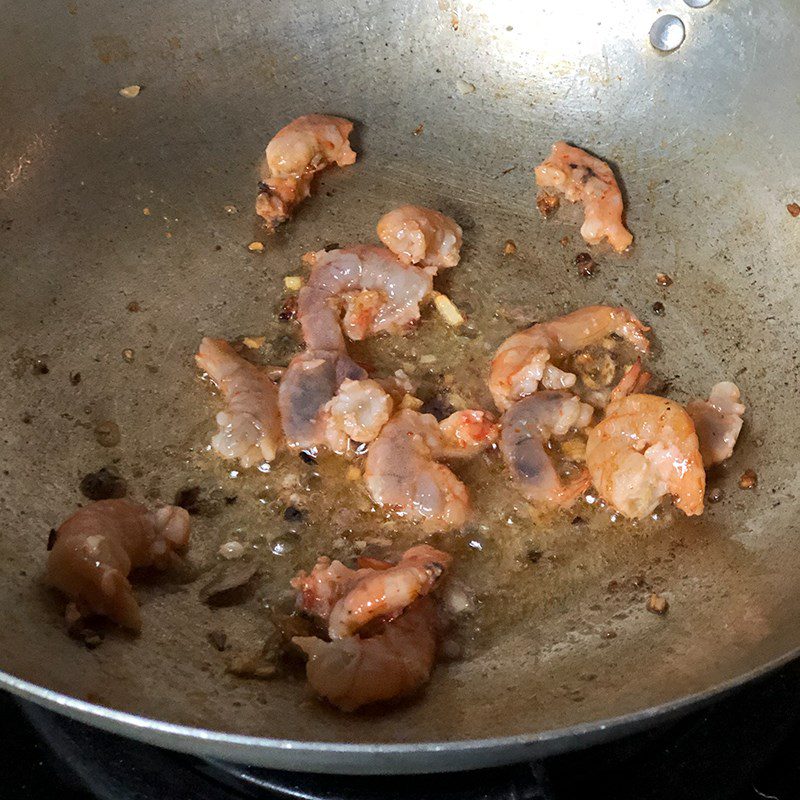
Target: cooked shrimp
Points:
(355, 672)
(645, 448)
(250, 426)
(311, 381)
(381, 294)
(402, 472)
(527, 427)
(584, 177)
(634, 381)
(386, 593)
(523, 361)
(418, 235)
(321, 589)
(357, 412)
(466, 433)
(96, 548)
(299, 150)
(718, 421)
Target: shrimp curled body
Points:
(418, 235)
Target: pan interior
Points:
(110, 204)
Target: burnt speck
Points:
(331, 246)
(51, 538)
(638, 581)
(793, 209)
(587, 267)
(658, 308)
(218, 247)
(547, 203)
(40, 367)
(74, 378)
(288, 309)
(218, 639)
(262, 187)
(307, 457)
(134, 307)
(189, 499)
(534, 556)
(105, 484)
(27, 418)
(656, 604)
(715, 495)
(578, 521)
(292, 514)
(749, 479)
(613, 587)
(662, 279)
(107, 433)
(231, 499)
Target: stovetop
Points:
(744, 746)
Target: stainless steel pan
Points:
(705, 139)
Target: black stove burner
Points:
(743, 747)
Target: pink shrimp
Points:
(524, 360)
(718, 421)
(386, 593)
(418, 235)
(321, 589)
(294, 155)
(646, 447)
(583, 177)
(403, 474)
(356, 413)
(353, 672)
(250, 426)
(527, 427)
(96, 548)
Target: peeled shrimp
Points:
(250, 426)
(523, 361)
(379, 293)
(645, 448)
(402, 472)
(357, 412)
(321, 589)
(527, 427)
(386, 593)
(467, 433)
(311, 380)
(718, 421)
(354, 671)
(418, 235)
(299, 150)
(96, 548)
(584, 177)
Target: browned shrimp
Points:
(354, 671)
(418, 235)
(646, 447)
(584, 177)
(97, 547)
(718, 421)
(299, 150)
(524, 360)
(386, 593)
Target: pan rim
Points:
(94, 714)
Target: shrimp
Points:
(354, 671)
(96, 548)
(418, 235)
(379, 292)
(321, 589)
(583, 177)
(466, 433)
(718, 421)
(386, 593)
(357, 412)
(634, 381)
(527, 427)
(294, 155)
(523, 361)
(402, 473)
(310, 382)
(250, 426)
(644, 448)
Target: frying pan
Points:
(112, 204)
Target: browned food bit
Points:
(715, 495)
(75, 378)
(134, 307)
(547, 203)
(662, 279)
(218, 639)
(419, 129)
(105, 484)
(658, 308)
(509, 247)
(227, 577)
(256, 247)
(251, 664)
(128, 355)
(107, 433)
(288, 309)
(749, 479)
(657, 604)
(587, 267)
(564, 241)
(793, 209)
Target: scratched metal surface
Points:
(705, 139)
